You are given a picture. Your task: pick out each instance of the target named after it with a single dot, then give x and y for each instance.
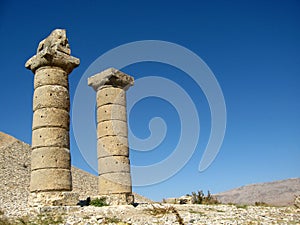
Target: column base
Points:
(53, 198)
(117, 199)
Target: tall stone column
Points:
(50, 156)
(112, 144)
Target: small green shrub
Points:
(112, 220)
(41, 219)
(242, 206)
(200, 198)
(261, 204)
(210, 200)
(99, 202)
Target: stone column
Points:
(50, 156)
(112, 144)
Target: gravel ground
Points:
(145, 214)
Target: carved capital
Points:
(53, 51)
(110, 77)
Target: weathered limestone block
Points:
(111, 112)
(109, 146)
(114, 183)
(53, 51)
(50, 157)
(51, 76)
(180, 200)
(110, 77)
(51, 96)
(112, 128)
(53, 198)
(117, 199)
(111, 95)
(50, 137)
(113, 164)
(47, 117)
(51, 180)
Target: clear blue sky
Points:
(252, 47)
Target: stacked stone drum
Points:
(112, 143)
(50, 157)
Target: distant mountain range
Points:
(277, 193)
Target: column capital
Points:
(110, 77)
(53, 51)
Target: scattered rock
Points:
(297, 202)
(84, 202)
(166, 214)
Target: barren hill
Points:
(14, 173)
(15, 176)
(277, 193)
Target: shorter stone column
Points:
(112, 144)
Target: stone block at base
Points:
(40, 199)
(117, 199)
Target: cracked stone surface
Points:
(112, 132)
(50, 158)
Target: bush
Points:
(99, 202)
(41, 219)
(197, 198)
(241, 206)
(200, 198)
(260, 204)
(210, 200)
(112, 220)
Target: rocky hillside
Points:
(15, 175)
(277, 193)
(14, 170)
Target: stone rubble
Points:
(297, 201)
(146, 214)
